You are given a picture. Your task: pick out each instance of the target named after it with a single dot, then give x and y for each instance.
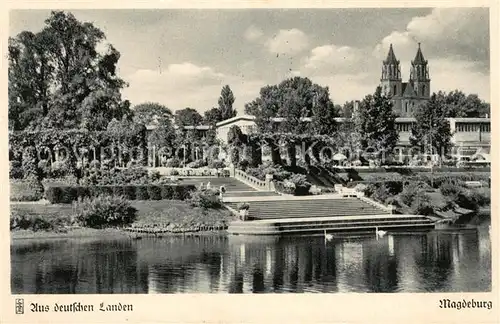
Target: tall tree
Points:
(187, 117)
(375, 122)
(293, 100)
(212, 116)
(58, 78)
(226, 101)
(151, 112)
(458, 104)
(431, 128)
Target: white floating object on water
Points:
(328, 237)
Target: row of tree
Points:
(58, 79)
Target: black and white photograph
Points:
(242, 151)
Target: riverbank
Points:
(169, 217)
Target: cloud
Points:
(333, 58)
(288, 41)
(458, 33)
(188, 85)
(253, 33)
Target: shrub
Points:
(173, 163)
(44, 168)
(59, 169)
(26, 190)
(15, 170)
(205, 199)
(409, 193)
(216, 164)
(129, 192)
(421, 204)
(141, 193)
(382, 193)
(154, 192)
(197, 164)
(118, 191)
(155, 176)
(104, 211)
(243, 165)
(450, 188)
(167, 192)
(174, 172)
(29, 222)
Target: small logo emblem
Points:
(19, 306)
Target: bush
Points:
(174, 172)
(118, 191)
(296, 185)
(451, 188)
(409, 193)
(173, 163)
(59, 169)
(205, 199)
(129, 192)
(197, 164)
(216, 164)
(26, 190)
(44, 168)
(382, 193)
(29, 222)
(141, 193)
(154, 192)
(243, 165)
(421, 205)
(67, 194)
(15, 170)
(104, 211)
(167, 192)
(279, 174)
(155, 176)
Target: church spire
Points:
(419, 58)
(419, 68)
(391, 57)
(390, 67)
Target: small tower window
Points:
(394, 91)
(423, 90)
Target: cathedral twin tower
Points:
(406, 96)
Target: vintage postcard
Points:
(242, 162)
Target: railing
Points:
(193, 172)
(250, 180)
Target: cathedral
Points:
(406, 96)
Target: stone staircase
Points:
(310, 208)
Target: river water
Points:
(429, 262)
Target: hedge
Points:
(26, 190)
(68, 194)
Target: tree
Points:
(293, 100)
(458, 104)
(431, 129)
(151, 112)
(187, 117)
(212, 116)
(58, 78)
(226, 101)
(347, 109)
(375, 122)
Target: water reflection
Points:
(436, 261)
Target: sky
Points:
(182, 57)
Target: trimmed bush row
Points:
(406, 169)
(26, 190)
(68, 194)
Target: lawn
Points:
(158, 213)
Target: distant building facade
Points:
(406, 96)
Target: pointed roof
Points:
(391, 57)
(419, 58)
